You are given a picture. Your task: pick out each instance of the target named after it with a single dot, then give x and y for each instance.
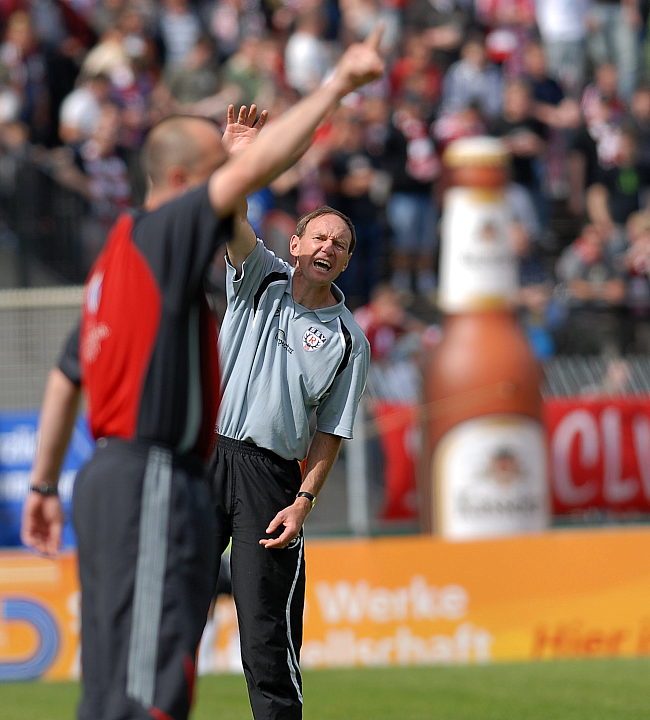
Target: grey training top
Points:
(280, 361)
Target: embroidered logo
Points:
(313, 339)
(281, 340)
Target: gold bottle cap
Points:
(478, 151)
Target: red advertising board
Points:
(599, 453)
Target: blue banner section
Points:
(18, 437)
(44, 624)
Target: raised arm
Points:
(278, 146)
(241, 130)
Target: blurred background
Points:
(565, 85)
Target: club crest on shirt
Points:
(313, 339)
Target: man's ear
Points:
(347, 262)
(177, 177)
(293, 245)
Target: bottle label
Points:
(478, 269)
(490, 478)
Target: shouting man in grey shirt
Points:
(291, 353)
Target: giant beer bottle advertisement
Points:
(488, 464)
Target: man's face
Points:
(323, 251)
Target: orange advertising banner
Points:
(39, 616)
(398, 601)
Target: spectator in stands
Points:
(414, 71)
(135, 80)
(472, 79)
(614, 36)
(509, 25)
(80, 110)
(620, 189)
(523, 211)
(465, 122)
(637, 283)
(254, 71)
(444, 23)
(559, 114)
(394, 391)
(10, 101)
(230, 21)
(307, 55)
(552, 106)
(23, 58)
(100, 174)
(536, 308)
(563, 29)
(639, 120)
(603, 90)
(598, 147)
(525, 138)
(179, 26)
(103, 15)
(413, 165)
(356, 186)
(197, 76)
(592, 292)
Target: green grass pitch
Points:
(559, 690)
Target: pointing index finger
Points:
(374, 39)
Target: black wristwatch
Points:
(308, 495)
(44, 489)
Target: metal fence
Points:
(35, 322)
(33, 326)
(577, 375)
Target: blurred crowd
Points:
(564, 83)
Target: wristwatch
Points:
(44, 489)
(309, 496)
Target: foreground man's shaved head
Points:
(191, 145)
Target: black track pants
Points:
(250, 486)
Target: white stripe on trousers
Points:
(149, 577)
(292, 660)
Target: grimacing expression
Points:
(323, 250)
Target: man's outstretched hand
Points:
(242, 131)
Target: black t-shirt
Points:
(524, 168)
(399, 151)
(359, 207)
(546, 90)
(625, 186)
(584, 145)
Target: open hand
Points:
(242, 131)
